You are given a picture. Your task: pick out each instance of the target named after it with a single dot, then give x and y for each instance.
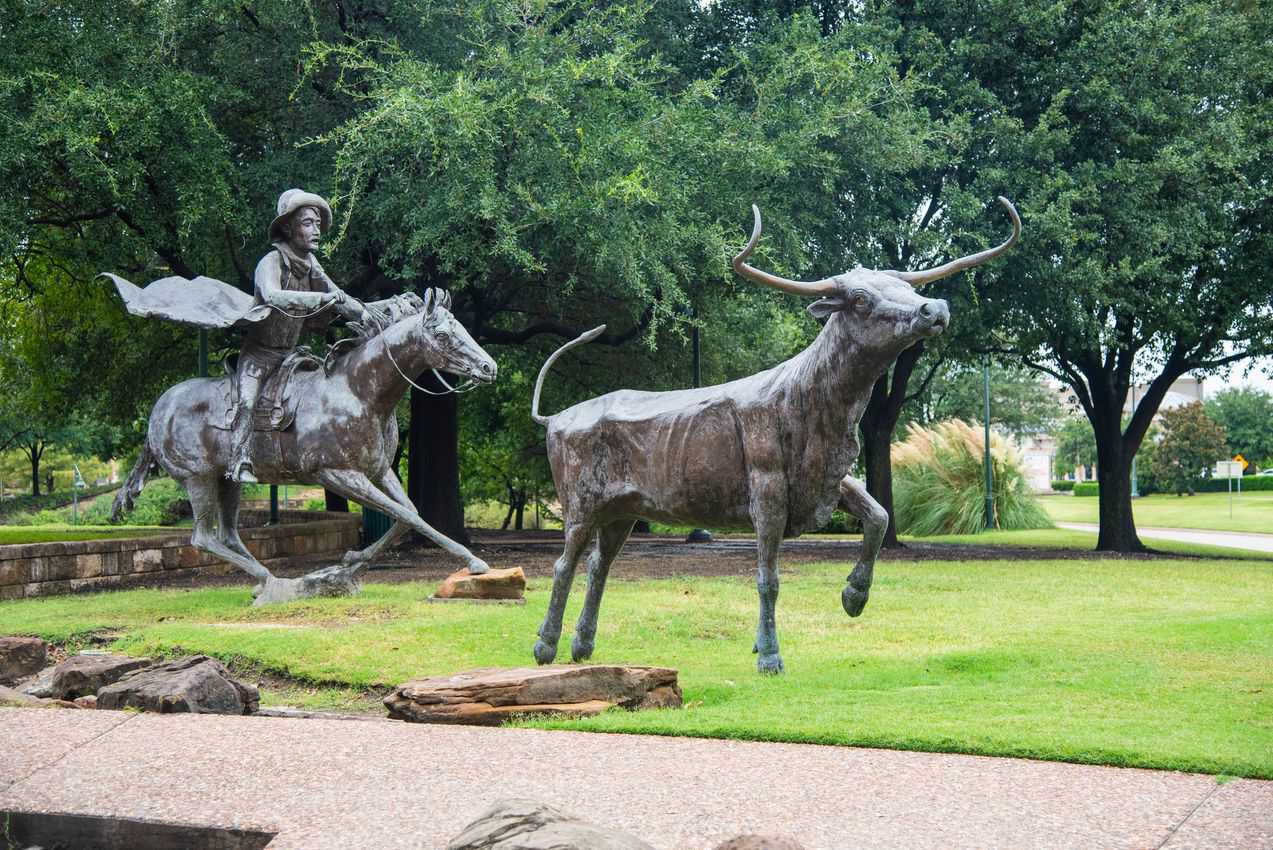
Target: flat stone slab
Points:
(492, 584)
(489, 696)
(400, 786)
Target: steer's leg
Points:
(769, 516)
(563, 577)
(874, 519)
(610, 539)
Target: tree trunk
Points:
(335, 502)
(34, 452)
(1114, 473)
(876, 439)
(433, 459)
(520, 507)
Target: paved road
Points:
(328, 783)
(1230, 539)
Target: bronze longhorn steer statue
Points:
(771, 450)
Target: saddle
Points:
(275, 404)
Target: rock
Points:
(336, 580)
(42, 685)
(21, 657)
(196, 684)
(84, 675)
(492, 584)
(86, 702)
(759, 842)
(12, 697)
(490, 695)
(515, 824)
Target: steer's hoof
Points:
(256, 591)
(580, 650)
(854, 600)
(544, 652)
(477, 566)
(770, 664)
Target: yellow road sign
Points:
(1240, 459)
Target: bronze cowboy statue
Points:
(286, 416)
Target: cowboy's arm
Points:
(349, 308)
(269, 288)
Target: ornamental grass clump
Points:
(939, 482)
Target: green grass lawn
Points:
(1164, 664)
(10, 534)
(1252, 512)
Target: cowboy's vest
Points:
(279, 333)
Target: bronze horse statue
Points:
(334, 427)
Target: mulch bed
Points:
(651, 556)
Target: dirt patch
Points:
(652, 556)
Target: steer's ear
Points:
(824, 307)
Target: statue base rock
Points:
(492, 584)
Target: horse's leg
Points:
(361, 557)
(393, 487)
(355, 485)
(205, 502)
(228, 493)
(610, 539)
(563, 576)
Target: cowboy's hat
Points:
(292, 200)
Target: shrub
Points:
(160, 503)
(1087, 488)
(939, 482)
(1063, 486)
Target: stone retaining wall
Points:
(43, 569)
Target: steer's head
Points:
(882, 307)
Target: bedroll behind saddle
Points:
(276, 404)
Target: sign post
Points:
(1229, 469)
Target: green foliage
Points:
(939, 482)
(1021, 404)
(1063, 486)
(1246, 415)
(158, 504)
(1192, 441)
(1087, 488)
(1075, 445)
(1250, 484)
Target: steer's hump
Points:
(633, 406)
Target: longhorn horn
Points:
(918, 279)
(815, 289)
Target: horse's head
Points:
(451, 348)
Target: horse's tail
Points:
(552, 358)
(135, 481)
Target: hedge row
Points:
(1062, 486)
(1204, 485)
(50, 501)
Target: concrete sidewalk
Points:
(1230, 539)
(340, 783)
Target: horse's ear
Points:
(430, 296)
(444, 299)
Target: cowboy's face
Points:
(304, 230)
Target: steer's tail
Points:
(133, 484)
(552, 358)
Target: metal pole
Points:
(1135, 487)
(697, 535)
(273, 504)
(990, 492)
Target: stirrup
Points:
(242, 473)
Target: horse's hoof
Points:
(477, 566)
(544, 652)
(580, 650)
(854, 600)
(770, 664)
(256, 591)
